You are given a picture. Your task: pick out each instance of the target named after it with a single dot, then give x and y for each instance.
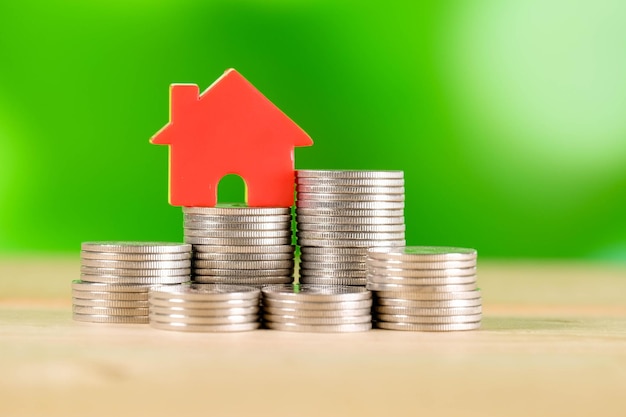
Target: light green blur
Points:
(508, 117)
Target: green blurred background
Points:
(508, 117)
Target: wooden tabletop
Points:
(553, 343)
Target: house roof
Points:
(230, 106)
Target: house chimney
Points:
(182, 96)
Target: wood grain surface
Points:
(553, 343)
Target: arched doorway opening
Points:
(232, 189)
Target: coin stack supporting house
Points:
(196, 307)
(116, 277)
(339, 215)
(424, 288)
(317, 308)
(240, 245)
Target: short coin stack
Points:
(116, 276)
(317, 308)
(109, 303)
(339, 215)
(424, 288)
(233, 244)
(196, 307)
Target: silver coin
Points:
(111, 296)
(323, 306)
(349, 243)
(305, 234)
(205, 292)
(186, 263)
(345, 270)
(386, 279)
(423, 273)
(285, 264)
(352, 174)
(248, 257)
(350, 228)
(179, 303)
(205, 307)
(402, 303)
(136, 247)
(424, 254)
(119, 280)
(277, 272)
(332, 258)
(248, 241)
(318, 321)
(261, 286)
(109, 311)
(189, 225)
(278, 311)
(221, 328)
(316, 293)
(350, 182)
(340, 214)
(78, 285)
(265, 249)
(356, 221)
(428, 327)
(403, 318)
(227, 219)
(126, 272)
(237, 210)
(333, 281)
(346, 266)
(373, 286)
(332, 273)
(257, 234)
(243, 280)
(180, 318)
(109, 303)
(348, 197)
(139, 257)
(375, 263)
(236, 280)
(101, 318)
(330, 189)
(320, 250)
(458, 311)
(428, 296)
(203, 312)
(353, 205)
(338, 328)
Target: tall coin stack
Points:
(317, 308)
(339, 215)
(424, 288)
(204, 308)
(116, 277)
(233, 244)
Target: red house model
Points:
(231, 128)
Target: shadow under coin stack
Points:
(317, 308)
(116, 277)
(339, 215)
(424, 288)
(233, 244)
(196, 307)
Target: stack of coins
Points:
(116, 276)
(339, 215)
(424, 288)
(233, 244)
(317, 308)
(196, 307)
(109, 303)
